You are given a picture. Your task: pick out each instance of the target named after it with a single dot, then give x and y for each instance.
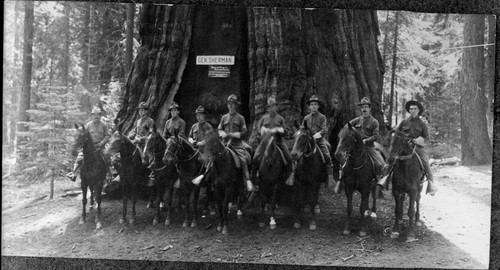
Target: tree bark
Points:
(129, 38)
(476, 145)
(289, 53)
(27, 64)
(393, 75)
(86, 42)
(489, 73)
(67, 42)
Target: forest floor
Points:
(455, 233)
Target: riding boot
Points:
(246, 177)
(197, 180)
(72, 175)
(382, 181)
(331, 181)
(431, 187)
(290, 179)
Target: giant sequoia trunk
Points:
(290, 53)
(476, 145)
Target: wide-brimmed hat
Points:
(232, 98)
(364, 101)
(414, 102)
(271, 101)
(96, 110)
(313, 98)
(174, 106)
(143, 105)
(200, 109)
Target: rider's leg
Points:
(431, 187)
(328, 160)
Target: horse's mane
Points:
(349, 130)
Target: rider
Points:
(368, 127)
(232, 128)
(316, 121)
(174, 125)
(198, 130)
(100, 135)
(271, 122)
(414, 128)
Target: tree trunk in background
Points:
(86, 43)
(27, 64)
(67, 41)
(476, 145)
(13, 114)
(394, 66)
(130, 38)
(291, 53)
(489, 74)
(384, 56)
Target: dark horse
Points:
(224, 176)
(164, 173)
(407, 178)
(309, 173)
(189, 165)
(272, 174)
(93, 171)
(132, 172)
(359, 175)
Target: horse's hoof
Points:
(362, 233)
(155, 222)
(121, 221)
(312, 227)
(98, 225)
(394, 235)
(167, 222)
(272, 226)
(131, 221)
(418, 224)
(82, 221)
(185, 224)
(150, 205)
(194, 224)
(367, 213)
(373, 215)
(346, 232)
(317, 210)
(224, 230)
(296, 225)
(219, 228)
(261, 224)
(239, 213)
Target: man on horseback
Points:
(316, 121)
(100, 135)
(272, 123)
(232, 128)
(174, 125)
(197, 133)
(368, 127)
(414, 128)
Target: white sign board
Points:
(214, 60)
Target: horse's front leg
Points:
(348, 193)
(262, 208)
(411, 215)
(398, 213)
(98, 194)
(91, 198)
(272, 222)
(196, 195)
(418, 223)
(124, 202)
(84, 201)
(185, 195)
(299, 207)
(374, 192)
(313, 202)
(134, 201)
(169, 199)
(227, 198)
(365, 213)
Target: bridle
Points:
(409, 156)
(349, 155)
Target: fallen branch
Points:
(347, 258)
(30, 215)
(24, 205)
(361, 239)
(148, 247)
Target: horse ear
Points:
(83, 127)
(76, 126)
(305, 125)
(154, 127)
(349, 125)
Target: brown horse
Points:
(165, 173)
(359, 175)
(309, 173)
(272, 174)
(93, 171)
(225, 178)
(407, 179)
(189, 164)
(132, 172)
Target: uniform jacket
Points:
(234, 123)
(368, 127)
(173, 125)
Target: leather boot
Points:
(431, 187)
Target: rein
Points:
(406, 157)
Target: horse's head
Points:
(349, 139)
(154, 147)
(178, 147)
(398, 145)
(82, 137)
(303, 142)
(115, 143)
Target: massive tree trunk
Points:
(67, 42)
(86, 42)
(129, 38)
(489, 73)
(27, 64)
(393, 75)
(290, 53)
(476, 145)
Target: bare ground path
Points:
(455, 232)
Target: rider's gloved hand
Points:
(317, 136)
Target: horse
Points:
(93, 171)
(406, 179)
(272, 174)
(131, 170)
(359, 175)
(309, 173)
(224, 176)
(165, 173)
(189, 164)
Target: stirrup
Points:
(71, 176)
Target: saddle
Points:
(236, 153)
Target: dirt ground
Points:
(455, 233)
